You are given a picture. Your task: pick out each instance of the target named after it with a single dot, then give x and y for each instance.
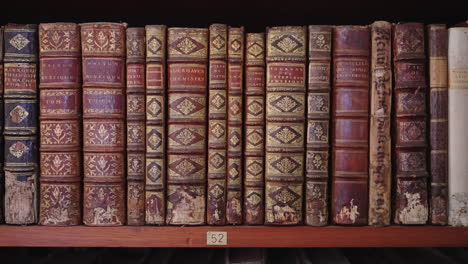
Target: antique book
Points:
(136, 113)
(350, 156)
(187, 127)
(318, 126)
(458, 125)
(437, 35)
(410, 140)
(254, 129)
(103, 52)
(155, 173)
(20, 131)
(285, 119)
(60, 124)
(217, 126)
(380, 170)
(234, 126)
(2, 174)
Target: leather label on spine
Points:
(135, 75)
(60, 71)
(103, 101)
(106, 71)
(154, 76)
(20, 77)
(62, 102)
(286, 74)
(183, 75)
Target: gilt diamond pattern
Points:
(287, 43)
(187, 45)
(154, 171)
(254, 108)
(154, 107)
(255, 168)
(234, 107)
(234, 139)
(18, 114)
(286, 104)
(218, 101)
(236, 45)
(185, 167)
(254, 198)
(216, 191)
(186, 106)
(218, 42)
(217, 160)
(154, 45)
(255, 50)
(185, 136)
(234, 171)
(154, 139)
(217, 130)
(285, 165)
(19, 42)
(284, 196)
(285, 134)
(255, 138)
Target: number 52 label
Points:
(216, 238)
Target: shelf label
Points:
(216, 238)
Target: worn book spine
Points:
(234, 127)
(60, 124)
(136, 113)
(318, 126)
(380, 170)
(2, 174)
(350, 159)
(155, 173)
(187, 125)
(20, 113)
(103, 52)
(254, 130)
(285, 124)
(438, 130)
(411, 206)
(458, 125)
(217, 126)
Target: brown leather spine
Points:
(350, 160)
(410, 124)
(235, 139)
(60, 124)
(438, 103)
(155, 124)
(380, 170)
(136, 126)
(103, 51)
(285, 124)
(2, 145)
(217, 125)
(318, 125)
(254, 131)
(187, 125)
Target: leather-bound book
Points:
(60, 124)
(217, 126)
(155, 175)
(437, 35)
(254, 130)
(234, 127)
(380, 170)
(103, 51)
(458, 125)
(285, 124)
(409, 60)
(2, 175)
(350, 157)
(187, 125)
(136, 113)
(318, 126)
(20, 113)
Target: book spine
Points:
(20, 113)
(234, 127)
(60, 124)
(155, 175)
(318, 125)
(254, 132)
(438, 128)
(458, 125)
(2, 145)
(285, 124)
(103, 51)
(350, 157)
(380, 170)
(410, 124)
(217, 126)
(187, 125)
(136, 132)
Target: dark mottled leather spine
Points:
(2, 145)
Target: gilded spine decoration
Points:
(2, 174)
(155, 173)
(103, 55)
(411, 206)
(217, 126)
(60, 124)
(285, 119)
(318, 126)
(234, 127)
(380, 170)
(20, 115)
(254, 135)
(187, 126)
(136, 126)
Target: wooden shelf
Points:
(237, 236)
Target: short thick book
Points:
(103, 51)
(20, 114)
(285, 119)
(60, 124)
(187, 125)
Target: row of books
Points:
(193, 126)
